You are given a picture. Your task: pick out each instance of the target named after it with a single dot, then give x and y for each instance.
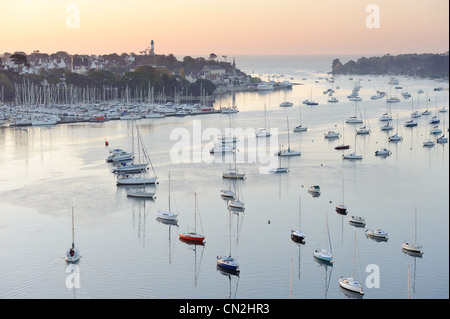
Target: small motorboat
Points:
(315, 189)
(428, 143)
(331, 134)
(297, 235)
(341, 209)
(383, 152)
(357, 220)
(352, 156)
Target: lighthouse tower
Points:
(152, 48)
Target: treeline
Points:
(168, 79)
(421, 65)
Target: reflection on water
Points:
(128, 253)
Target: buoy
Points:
(106, 143)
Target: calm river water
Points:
(127, 253)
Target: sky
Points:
(227, 27)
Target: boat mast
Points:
(195, 213)
(328, 235)
(289, 141)
(73, 233)
(169, 192)
(415, 225)
(354, 257)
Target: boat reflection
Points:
(412, 253)
(191, 242)
(351, 294)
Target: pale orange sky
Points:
(196, 27)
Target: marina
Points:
(49, 169)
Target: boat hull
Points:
(141, 194)
(192, 237)
(72, 257)
(233, 175)
(228, 263)
(136, 181)
(323, 255)
(342, 147)
(351, 284)
(412, 248)
(167, 216)
(341, 209)
(297, 236)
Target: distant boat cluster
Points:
(60, 114)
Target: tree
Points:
(20, 59)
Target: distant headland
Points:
(425, 65)
(113, 76)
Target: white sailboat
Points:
(233, 173)
(442, 139)
(167, 215)
(235, 203)
(395, 137)
(288, 151)
(300, 127)
(352, 155)
(142, 157)
(263, 131)
(143, 178)
(73, 254)
(350, 283)
(324, 254)
(413, 247)
(279, 169)
(354, 119)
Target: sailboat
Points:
(323, 254)
(234, 203)
(193, 236)
(279, 169)
(127, 179)
(141, 192)
(288, 151)
(353, 155)
(342, 146)
(263, 131)
(133, 167)
(395, 137)
(350, 283)
(341, 208)
(300, 128)
(413, 247)
(73, 254)
(296, 234)
(354, 119)
(233, 172)
(167, 215)
(228, 263)
(363, 129)
(387, 127)
(310, 101)
(442, 139)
